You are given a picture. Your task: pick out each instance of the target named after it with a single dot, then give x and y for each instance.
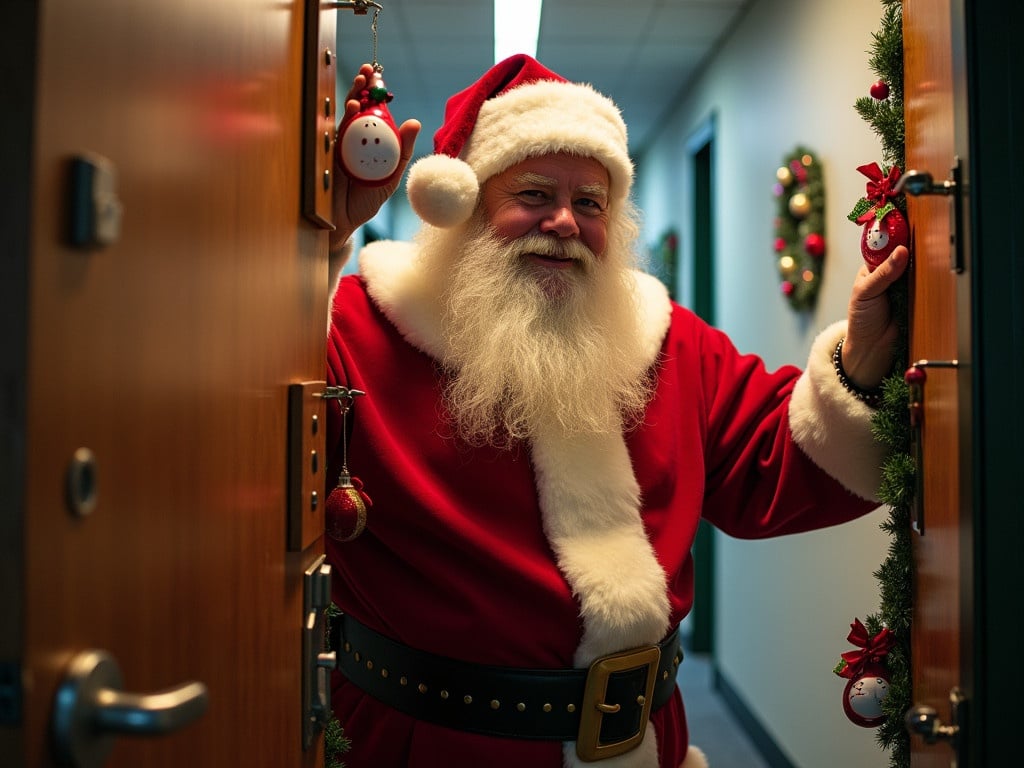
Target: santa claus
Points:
(542, 431)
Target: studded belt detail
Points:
(604, 708)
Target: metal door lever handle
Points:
(924, 721)
(921, 183)
(151, 713)
(90, 708)
(916, 183)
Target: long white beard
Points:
(527, 346)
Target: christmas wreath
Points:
(800, 227)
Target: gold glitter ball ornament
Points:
(799, 205)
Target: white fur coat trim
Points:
(695, 759)
(588, 493)
(832, 426)
(397, 285)
(589, 497)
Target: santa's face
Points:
(558, 196)
(369, 148)
(529, 343)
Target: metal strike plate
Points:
(307, 458)
(317, 662)
(319, 113)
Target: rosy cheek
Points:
(512, 224)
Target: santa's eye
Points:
(364, 142)
(376, 141)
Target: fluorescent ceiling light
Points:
(516, 26)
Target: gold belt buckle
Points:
(594, 707)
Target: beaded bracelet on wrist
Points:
(870, 397)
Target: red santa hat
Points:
(517, 110)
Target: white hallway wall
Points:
(788, 74)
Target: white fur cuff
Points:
(832, 426)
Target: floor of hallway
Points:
(712, 726)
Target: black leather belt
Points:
(604, 709)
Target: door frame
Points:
(995, 91)
(17, 62)
(700, 157)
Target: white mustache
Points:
(552, 247)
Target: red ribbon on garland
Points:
(880, 188)
(873, 649)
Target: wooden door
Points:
(939, 332)
(167, 354)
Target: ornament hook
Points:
(345, 398)
(361, 8)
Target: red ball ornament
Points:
(914, 376)
(780, 245)
(787, 288)
(814, 244)
(879, 90)
(345, 511)
(864, 694)
(369, 147)
(880, 237)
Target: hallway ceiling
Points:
(641, 53)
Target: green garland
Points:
(336, 743)
(891, 424)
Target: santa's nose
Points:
(561, 222)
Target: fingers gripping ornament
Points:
(369, 147)
(867, 674)
(883, 225)
(347, 504)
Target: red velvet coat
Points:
(457, 557)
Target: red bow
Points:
(873, 650)
(880, 188)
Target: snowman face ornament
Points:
(863, 697)
(881, 235)
(876, 238)
(369, 148)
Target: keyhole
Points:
(81, 482)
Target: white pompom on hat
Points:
(519, 109)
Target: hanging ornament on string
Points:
(369, 147)
(347, 504)
(883, 224)
(867, 675)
